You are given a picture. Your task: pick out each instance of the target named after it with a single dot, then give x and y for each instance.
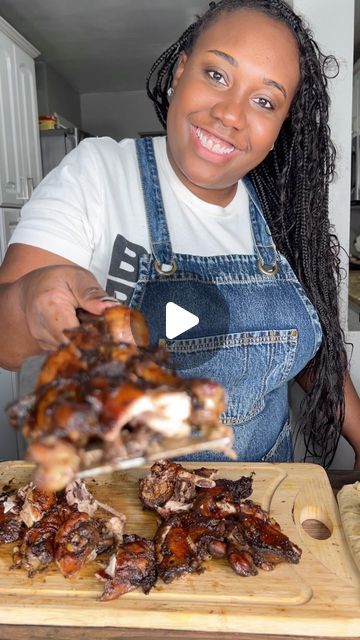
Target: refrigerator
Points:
(12, 444)
(56, 143)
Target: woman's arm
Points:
(351, 426)
(39, 295)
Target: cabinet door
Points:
(29, 122)
(10, 442)
(10, 150)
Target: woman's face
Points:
(232, 95)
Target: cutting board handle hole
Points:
(316, 522)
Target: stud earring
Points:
(272, 147)
(170, 92)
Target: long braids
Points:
(164, 68)
(293, 186)
(301, 231)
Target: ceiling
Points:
(101, 45)
(106, 45)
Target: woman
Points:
(227, 214)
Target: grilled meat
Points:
(36, 503)
(11, 524)
(100, 399)
(223, 500)
(25, 506)
(182, 544)
(263, 534)
(57, 527)
(76, 543)
(132, 566)
(169, 487)
(37, 548)
(214, 521)
(202, 518)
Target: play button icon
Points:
(178, 320)
(190, 319)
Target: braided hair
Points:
(292, 183)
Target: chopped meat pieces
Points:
(219, 521)
(202, 517)
(57, 527)
(131, 567)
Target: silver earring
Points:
(272, 147)
(170, 92)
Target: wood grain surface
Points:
(318, 597)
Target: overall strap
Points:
(154, 207)
(264, 245)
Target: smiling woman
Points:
(231, 205)
(230, 100)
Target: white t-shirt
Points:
(90, 210)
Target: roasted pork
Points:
(107, 396)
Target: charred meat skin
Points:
(223, 500)
(107, 391)
(22, 507)
(10, 527)
(131, 567)
(183, 542)
(37, 549)
(170, 487)
(76, 543)
(36, 504)
(11, 524)
(265, 536)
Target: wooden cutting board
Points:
(319, 596)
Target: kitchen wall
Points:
(118, 114)
(56, 95)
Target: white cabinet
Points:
(20, 172)
(28, 122)
(20, 160)
(10, 170)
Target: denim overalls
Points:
(261, 332)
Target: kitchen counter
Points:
(26, 632)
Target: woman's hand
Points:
(50, 296)
(39, 295)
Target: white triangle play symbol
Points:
(178, 320)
